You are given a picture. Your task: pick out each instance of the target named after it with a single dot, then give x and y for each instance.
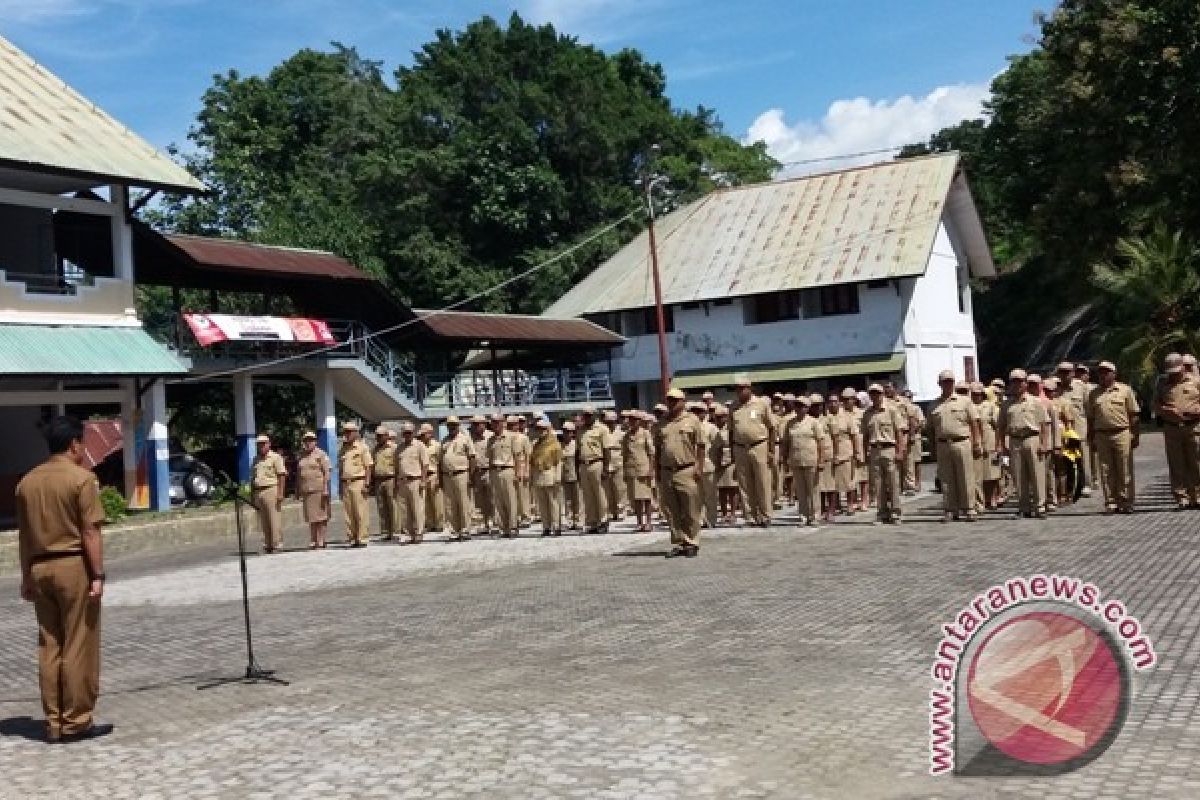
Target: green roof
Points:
(792, 371)
(82, 350)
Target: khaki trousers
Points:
(912, 461)
(386, 502)
(1180, 443)
(458, 506)
(595, 504)
(955, 465)
(412, 507)
(525, 506)
(885, 473)
(1028, 473)
(614, 493)
(708, 498)
(504, 495)
(435, 505)
(776, 483)
(270, 521)
(980, 465)
(354, 506)
(571, 503)
(754, 478)
(485, 509)
(68, 643)
(664, 477)
(549, 506)
(806, 487)
(1114, 450)
(681, 498)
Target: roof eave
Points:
(963, 214)
(193, 187)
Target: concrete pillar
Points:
(243, 423)
(129, 443)
(327, 432)
(154, 413)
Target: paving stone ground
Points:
(788, 663)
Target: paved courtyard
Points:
(790, 663)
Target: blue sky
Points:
(811, 77)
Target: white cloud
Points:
(861, 124)
(37, 11)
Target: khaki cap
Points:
(512, 420)
(789, 398)
(676, 394)
(741, 379)
(568, 426)
(976, 386)
(815, 399)
(849, 393)
(308, 435)
(542, 423)
(1066, 366)
(478, 418)
(588, 410)
(391, 435)
(661, 407)
(1017, 375)
(719, 410)
(1033, 377)
(945, 375)
(833, 398)
(262, 438)
(499, 418)
(696, 405)
(708, 396)
(1175, 369)
(1050, 383)
(452, 420)
(874, 388)
(382, 430)
(407, 427)
(610, 416)
(801, 400)
(962, 386)
(777, 396)
(1082, 368)
(425, 428)
(350, 426)
(1106, 365)
(1189, 359)
(997, 383)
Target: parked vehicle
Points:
(191, 480)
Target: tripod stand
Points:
(254, 673)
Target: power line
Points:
(392, 329)
(842, 157)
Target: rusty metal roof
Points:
(46, 126)
(230, 254)
(516, 329)
(860, 224)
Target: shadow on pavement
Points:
(23, 727)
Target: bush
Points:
(114, 504)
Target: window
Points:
(831, 301)
(772, 307)
(969, 369)
(644, 321)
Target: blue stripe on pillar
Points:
(159, 473)
(327, 440)
(245, 456)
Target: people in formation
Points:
(1028, 443)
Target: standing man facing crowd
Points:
(62, 573)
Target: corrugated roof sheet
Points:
(233, 254)
(80, 350)
(516, 329)
(861, 224)
(46, 125)
(883, 364)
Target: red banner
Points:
(210, 329)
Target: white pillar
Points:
(243, 422)
(327, 432)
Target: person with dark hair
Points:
(62, 573)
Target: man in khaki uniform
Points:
(1084, 378)
(354, 471)
(59, 515)
(1177, 404)
(412, 475)
(1190, 369)
(1024, 434)
(954, 427)
(457, 463)
(481, 479)
(517, 426)
(679, 449)
(614, 469)
(268, 479)
(502, 464)
(1112, 414)
(803, 449)
(708, 477)
(882, 434)
(545, 465)
(383, 480)
(752, 434)
(915, 419)
(777, 411)
(592, 458)
(571, 504)
(846, 429)
(785, 470)
(313, 469)
(660, 416)
(435, 499)
(987, 470)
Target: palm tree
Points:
(1150, 301)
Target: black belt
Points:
(593, 461)
(1110, 430)
(457, 471)
(882, 445)
(352, 480)
(411, 478)
(54, 555)
(501, 466)
(951, 440)
(1022, 435)
(379, 477)
(685, 466)
(748, 446)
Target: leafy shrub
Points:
(114, 504)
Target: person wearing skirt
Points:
(728, 491)
(637, 461)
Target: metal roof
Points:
(883, 364)
(81, 350)
(230, 254)
(860, 224)
(46, 126)
(516, 329)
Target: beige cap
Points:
(407, 427)
(1189, 360)
(945, 375)
(816, 399)
(874, 387)
(976, 386)
(1081, 367)
(542, 423)
(696, 405)
(1017, 375)
(801, 400)
(391, 435)
(499, 418)
(708, 396)
(719, 410)
(512, 420)
(849, 394)
(676, 394)
(1173, 358)
(661, 408)
(962, 387)
(425, 428)
(381, 430)
(777, 396)
(478, 418)
(1106, 365)
(1051, 383)
(1066, 366)
(262, 438)
(1033, 377)
(308, 435)
(452, 420)
(611, 416)
(833, 398)
(588, 410)
(1175, 369)
(350, 426)
(789, 398)
(997, 383)
(568, 426)
(741, 379)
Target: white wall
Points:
(716, 337)
(938, 334)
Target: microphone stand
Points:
(254, 673)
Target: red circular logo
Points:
(1045, 688)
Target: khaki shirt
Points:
(989, 422)
(265, 471)
(1112, 409)
(501, 450)
(593, 443)
(883, 426)
(413, 459)
(709, 433)
(570, 471)
(354, 460)
(1182, 398)
(480, 446)
(312, 472)
(385, 460)
(751, 422)
(1023, 418)
(1077, 395)
(56, 501)
(677, 441)
(844, 435)
(950, 419)
(545, 460)
(638, 454)
(914, 419)
(456, 453)
(615, 447)
(719, 451)
(434, 448)
(803, 441)
(522, 446)
(1062, 414)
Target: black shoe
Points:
(603, 528)
(691, 551)
(95, 731)
(545, 533)
(558, 533)
(677, 551)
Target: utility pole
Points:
(664, 364)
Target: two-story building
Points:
(812, 283)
